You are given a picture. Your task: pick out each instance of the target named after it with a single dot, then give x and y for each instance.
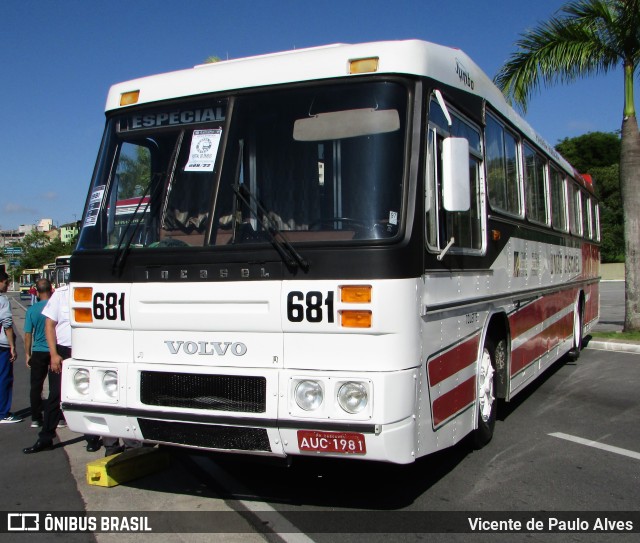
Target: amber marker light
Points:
(355, 294)
(82, 294)
(351, 318)
(363, 65)
(128, 98)
(82, 314)
(496, 235)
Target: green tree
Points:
(38, 250)
(592, 150)
(586, 38)
(598, 154)
(607, 181)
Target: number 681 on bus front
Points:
(106, 307)
(317, 306)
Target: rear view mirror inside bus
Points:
(349, 123)
(456, 192)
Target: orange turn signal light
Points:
(350, 318)
(363, 65)
(355, 294)
(82, 294)
(82, 314)
(128, 98)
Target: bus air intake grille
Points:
(235, 393)
(205, 435)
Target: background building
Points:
(68, 232)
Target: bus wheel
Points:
(487, 392)
(574, 353)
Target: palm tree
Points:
(586, 38)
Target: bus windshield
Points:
(318, 164)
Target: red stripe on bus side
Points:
(541, 343)
(454, 401)
(451, 362)
(592, 305)
(538, 311)
(590, 261)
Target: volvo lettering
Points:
(209, 348)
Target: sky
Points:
(59, 59)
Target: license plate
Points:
(331, 442)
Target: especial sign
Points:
(210, 113)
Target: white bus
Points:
(62, 270)
(348, 251)
(49, 271)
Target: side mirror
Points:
(456, 191)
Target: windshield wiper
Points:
(286, 251)
(123, 249)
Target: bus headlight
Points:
(110, 383)
(81, 381)
(309, 395)
(353, 397)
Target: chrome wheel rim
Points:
(485, 389)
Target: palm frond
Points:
(587, 37)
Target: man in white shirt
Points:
(58, 333)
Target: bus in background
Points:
(61, 273)
(28, 277)
(346, 251)
(48, 271)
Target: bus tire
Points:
(487, 402)
(574, 353)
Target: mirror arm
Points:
(443, 106)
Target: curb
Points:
(617, 346)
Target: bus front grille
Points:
(205, 435)
(235, 393)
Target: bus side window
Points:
(587, 218)
(596, 218)
(465, 227)
(535, 169)
(558, 200)
(503, 179)
(575, 205)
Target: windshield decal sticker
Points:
(204, 147)
(94, 206)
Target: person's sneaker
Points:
(62, 423)
(36, 424)
(10, 419)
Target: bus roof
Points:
(413, 57)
